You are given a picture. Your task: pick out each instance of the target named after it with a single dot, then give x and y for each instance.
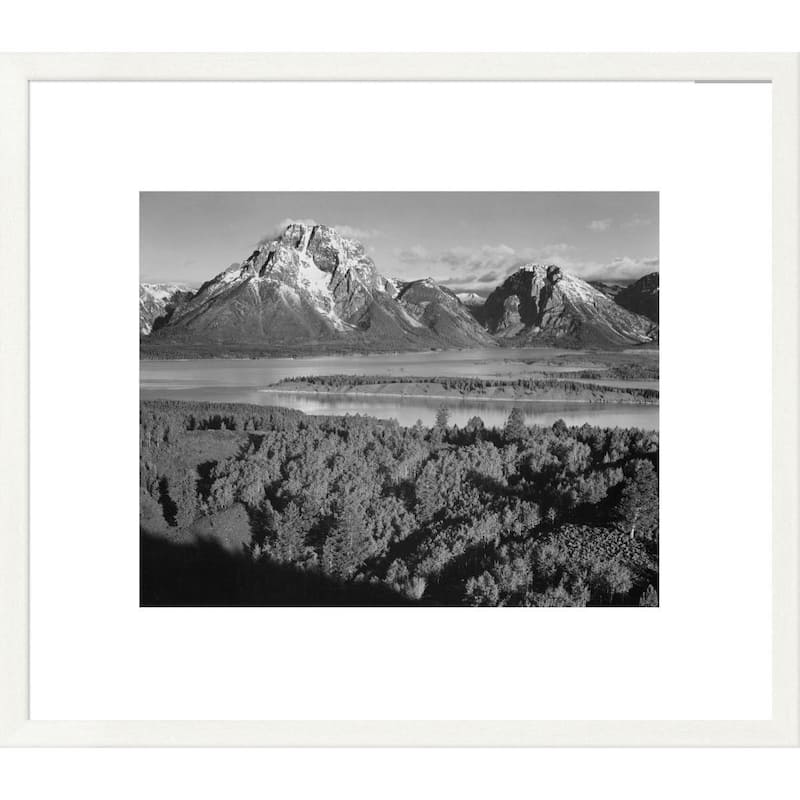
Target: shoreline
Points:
(493, 348)
(330, 354)
(467, 397)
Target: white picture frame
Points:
(782, 71)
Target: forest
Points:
(622, 372)
(476, 387)
(252, 505)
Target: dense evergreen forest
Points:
(250, 505)
(621, 372)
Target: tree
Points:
(482, 591)
(183, 492)
(149, 509)
(613, 578)
(649, 597)
(475, 427)
(222, 493)
(427, 492)
(637, 508)
(397, 575)
(347, 545)
(561, 596)
(416, 587)
(442, 416)
(515, 430)
(290, 534)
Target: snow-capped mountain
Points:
(309, 286)
(540, 302)
(157, 302)
(470, 298)
(310, 289)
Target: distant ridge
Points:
(641, 296)
(157, 302)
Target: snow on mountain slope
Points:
(310, 285)
(157, 301)
(470, 298)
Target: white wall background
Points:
(571, 25)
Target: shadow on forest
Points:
(203, 573)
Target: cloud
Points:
(599, 225)
(637, 221)
(624, 268)
(464, 258)
(474, 260)
(495, 256)
(415, 254)
(349, 232)
(285, 223)
(482, 268)
(277, 229)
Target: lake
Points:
(241, 381)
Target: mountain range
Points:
(311, 289)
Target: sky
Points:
(469, 241)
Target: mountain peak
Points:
(550, 272)
(540, 301)
(295, 235)
(310, 284)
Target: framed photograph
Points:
(417, 464)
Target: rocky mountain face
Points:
(540, 303)
(310, 285)
(157, 303)
(641, 297)
(440, 310)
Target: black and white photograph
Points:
(399, 399)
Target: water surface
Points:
(241, 381)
